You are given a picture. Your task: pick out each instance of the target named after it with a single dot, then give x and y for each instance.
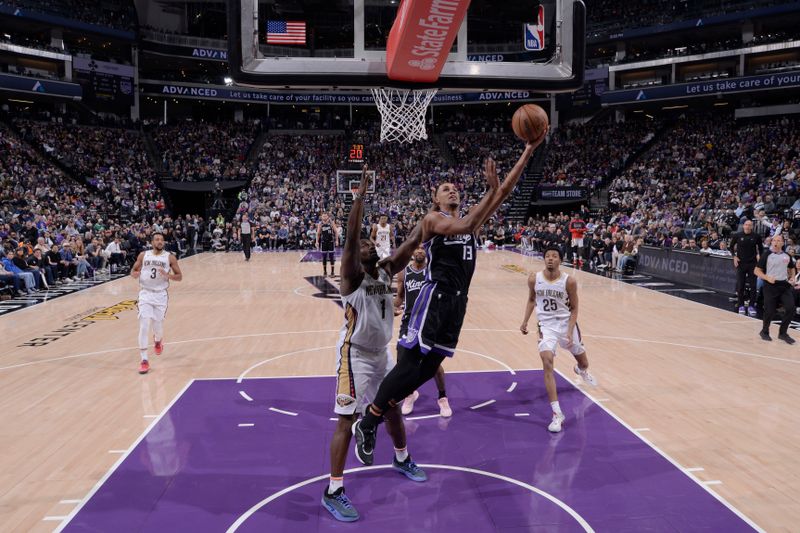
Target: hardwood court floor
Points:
(696, 381)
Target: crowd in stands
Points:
(586, 155)
(112, 161)
(609, 16)
(634, 53)
(198, 151)
(707, 175)
(92, 218)
(118, 14)
(690, 190)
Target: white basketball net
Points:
(403, 113)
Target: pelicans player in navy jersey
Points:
(554, 295)
(409, 283)
(363, 354)
(152, 270)
(438, 314)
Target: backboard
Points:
(347, 180)
(341, 45)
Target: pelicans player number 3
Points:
(154, 269)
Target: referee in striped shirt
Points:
(246, 236)
(777, 269)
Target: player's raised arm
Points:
(351, 254)
(435, 224)
(530, 305)
(137, 266)
(512, 178)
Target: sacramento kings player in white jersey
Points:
(410, 281)
(362, 354)
(383, 237)
(554, 295)
(152, 270)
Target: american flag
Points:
(285, 32)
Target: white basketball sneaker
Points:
(444, 408)
(408, 403)
(555, 425)
(586, 376)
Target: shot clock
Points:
(356, 155)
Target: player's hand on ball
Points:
(535, 144)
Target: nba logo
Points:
(534, 33)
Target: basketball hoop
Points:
(403, 113)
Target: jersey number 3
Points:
(153, 273)
(549, 304)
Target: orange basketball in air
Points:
(529, 122)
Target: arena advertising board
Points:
(191, 52)
(561, 194)
(784, 80)
(10, 82)
(708, 272)
(215, 92)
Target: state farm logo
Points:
(429, 63)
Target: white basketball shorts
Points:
(359, 373)
(556, 335)
(383, 252)
(153, 305)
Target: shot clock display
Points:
(356, 155)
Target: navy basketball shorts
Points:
(436, 320)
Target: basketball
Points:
(529, 122)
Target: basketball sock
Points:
(144, 326)
(335, 484)
(370, 420)
(158, 330)
(556, 408)
(442, 394)
(143, 354)
(401, 455)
